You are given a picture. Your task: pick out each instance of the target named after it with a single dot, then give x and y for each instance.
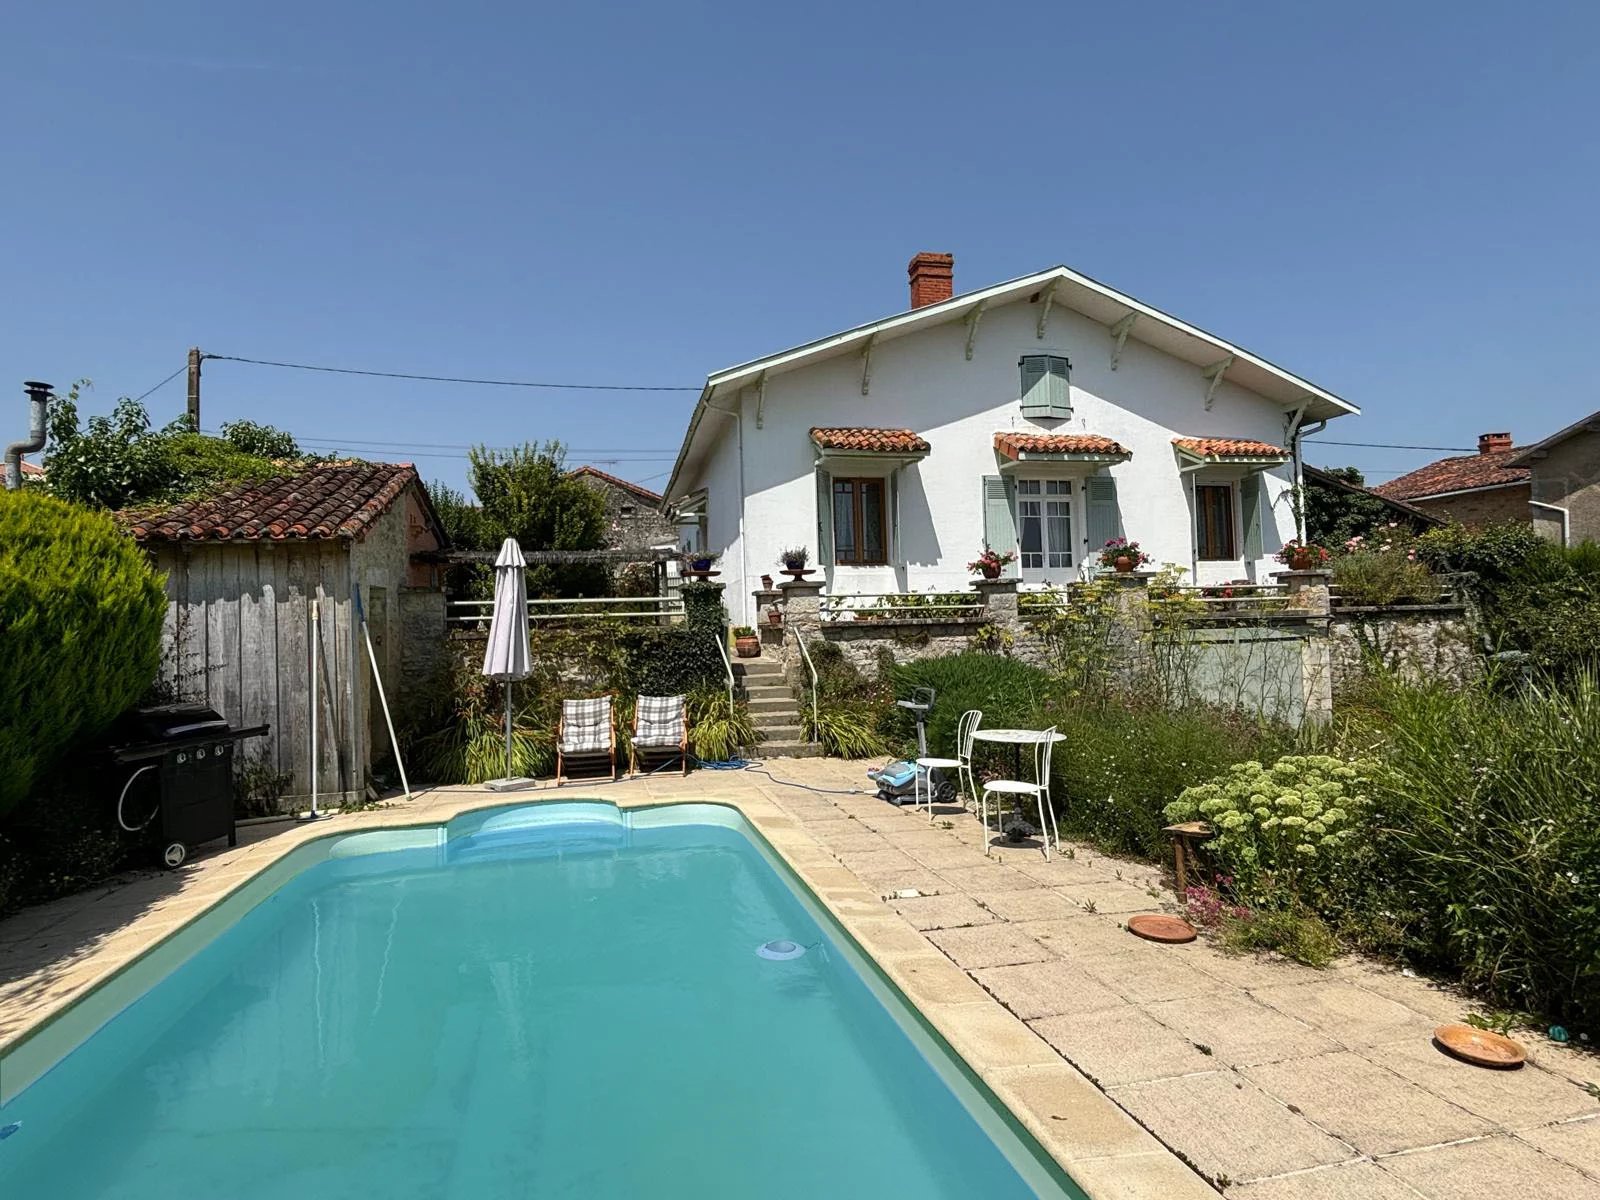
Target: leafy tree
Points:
(120, 461)
(80, 631)
(527, 494)
(1334, 515)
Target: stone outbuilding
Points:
(1565, 482)
(1485, 488)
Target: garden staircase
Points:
(774, 711)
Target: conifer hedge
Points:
(80, 632)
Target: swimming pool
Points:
(550, 1000)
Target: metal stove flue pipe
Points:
(39, 400)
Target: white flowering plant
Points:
(1285, 833)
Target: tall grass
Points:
(1488, 847)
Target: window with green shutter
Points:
(1046, 385)
(999, 517)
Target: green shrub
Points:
(702, 605)
(460, 737)
(1379, 577)
(1008, 691)
(846, 729)
(1487, 843)
(718, 731)
(1285, 834)
(673, 661)
(80, 631)
(1293, 932)
(60, 841)
(1124, 761)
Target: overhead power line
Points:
(162, 384)
(1391, 446)
(515, 383)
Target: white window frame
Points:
(1050, 489)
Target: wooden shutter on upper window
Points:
(1046, 386)
(1000, 517)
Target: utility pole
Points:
(194, 387)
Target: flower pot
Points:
(700, 564)
(797, 572)
(1122, 564)
(989, 572)
(747, 647)
(774, 617)
(766, 583)
(1300, 560)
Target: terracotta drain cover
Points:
(1156, 927)
(1479, 1047)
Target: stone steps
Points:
(774, 709)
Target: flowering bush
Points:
(1282, 832)
(1122, 548)
(991, 562)
(1319, 554)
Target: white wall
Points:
(924, 382)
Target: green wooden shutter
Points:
(824, 519)
(1250, 511)
(1034, 370)
(1102, 518)
(1000, 517)
(894, 518)
(1046, 386)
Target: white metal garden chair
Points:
(961, 764)
(1039, 790)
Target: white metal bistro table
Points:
(1016, 739)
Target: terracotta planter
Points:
(1122, 563)
(747, 647)
(989, 572)
(766, 583)
(797, 572)
(1300, 560)
(774, 618)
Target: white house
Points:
(1043, 415)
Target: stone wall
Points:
(424, 650)
(1431, 642)
(1481, 508)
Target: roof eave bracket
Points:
(1119, 337)
(866, 362)
(1213, 375)
(974, 315)
(761, 399)
(1044, 309)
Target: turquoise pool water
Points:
(572, 1009)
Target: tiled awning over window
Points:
(1224, 451)
(1059, 447)
(859, 439)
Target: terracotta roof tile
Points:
(643, 493)
(865, 438)
(1013, 444)
(1459, 474)
(34, 470)
(332, 500)
(1215, 447)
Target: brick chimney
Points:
(933, 278)
(1494, 443)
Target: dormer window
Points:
(1045, 385)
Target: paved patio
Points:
(1272, 1080)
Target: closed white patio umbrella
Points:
(506, 656)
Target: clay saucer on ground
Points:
(1479, 1047)
(1158, 927)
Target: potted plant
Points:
(1122, 556)
(990, 563)
(745, 642)
(766, 583)
(774, 616)
(794, 561)
(1302, 556)
(697, 564)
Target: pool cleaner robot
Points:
(897, 780)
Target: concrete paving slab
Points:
(1046, 989)
(1228, 1128)
(1359, 1102)
(1034, 904)
(1121, 1045)
(1112, 898)
(987, 946)
(988, 877)
(1061, 1102)
(1498, 1168)
(1576, 1143)
(1349, 1014)
(1139, 1176)
(1515, 1099)
(1149, 974)
(943, 912)
(1348, 1181)
(989, 1037)
(1239, 1031)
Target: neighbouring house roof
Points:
(1325, 479)
(1224, 450)
(644, 493)
(1059, 445)
(859, 439)
(323, 502)
(32, 469)
(1465, 473)
(1059, 285)
(1521, 458)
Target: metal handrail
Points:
(466, 612)
(815, 687)
(720, 638)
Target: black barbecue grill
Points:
(186, 752)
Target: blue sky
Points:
(1396, 201)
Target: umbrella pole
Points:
(508, 730)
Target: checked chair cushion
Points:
(659, 721)
(586, 726)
